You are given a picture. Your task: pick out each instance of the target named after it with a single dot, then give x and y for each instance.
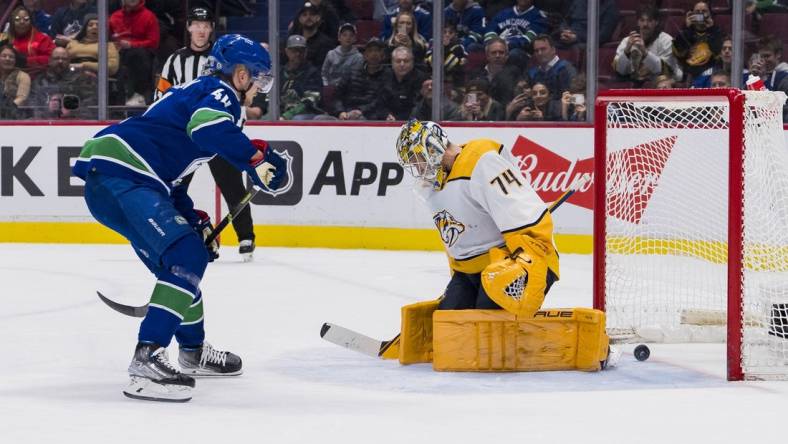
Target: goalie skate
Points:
(208, 361)
(154, 378)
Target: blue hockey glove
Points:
(204, 228)
(271, 169)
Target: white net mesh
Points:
(667, 223)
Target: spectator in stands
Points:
(454, 56)
(573, 102)
(574, 28)
(551, 70)
(478, 105)
(300, 82)
(726, 54)
(768, 5)
(406, 34)
(402, 85)
(67, 20)
(170, 14)
(784, 88)
(699, 44)
(773, 69)
(720, 79)
(317, 43)
(518, 26)
(41, 20)
(522, 96)
(135, 31)
(493, 7)
(60, 80)
(501, 75)
(648, 52)
(358, 96)
(545, 107)
(469, 17)
(423, 20)
(722, 64)
(329, 20)
(663, 82)
(343, 59)
(84, 49)
(423, 108)
(14, 83)
(29, 42)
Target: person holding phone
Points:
(647, 51)
(699, 44)
(406, 34)
(423, 19)
(478, 105)
(573, 102)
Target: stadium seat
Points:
(675, 7)
(673, 24)
(367, 29)
(363, 9)
(327, 98)
(628, 5)
(724, 23)
(573, 55)
(605, 66)
(777, 25)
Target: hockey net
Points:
(691, 222)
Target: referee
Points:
(183, 66)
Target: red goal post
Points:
(673, 261)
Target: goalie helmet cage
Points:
(691, 221)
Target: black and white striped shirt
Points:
(182, 66)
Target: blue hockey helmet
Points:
(234, 49)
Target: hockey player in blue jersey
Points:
(132, 172)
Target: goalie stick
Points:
(352, 340)
(141, 311)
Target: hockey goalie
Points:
(498, 236)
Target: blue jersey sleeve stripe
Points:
(204, 117)
(212, 122)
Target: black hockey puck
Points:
(642, 352)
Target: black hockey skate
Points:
(246, 250)
(207, 361)
(154, 378)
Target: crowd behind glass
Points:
(503, 60)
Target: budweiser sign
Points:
(633, 173)
(551, 175)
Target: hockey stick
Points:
(352, 340)
(141, 311)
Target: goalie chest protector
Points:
(483, 196)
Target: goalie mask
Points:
(420, 149)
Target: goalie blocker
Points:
(499, 341)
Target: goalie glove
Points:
(517, 281)
(270, 167)
(204, 228)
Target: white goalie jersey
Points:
(484, 199)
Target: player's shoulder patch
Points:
(469, 157)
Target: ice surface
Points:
(64, 357)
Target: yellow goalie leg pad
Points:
(415, 341)
(498, 341)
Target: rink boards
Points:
(347, 190)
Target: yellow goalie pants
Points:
(497, 341)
